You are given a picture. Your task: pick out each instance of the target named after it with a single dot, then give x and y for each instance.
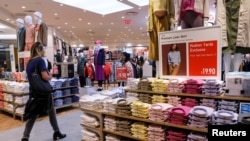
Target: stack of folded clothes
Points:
(176, 135)
(58, 102)
(228, 105)
(200, 116)
(123, 126)
(244, 118)
(145, 85)
(158, 111)
(132, 83)
(209, 103)
(89, 136)
(178, 115)
(123, 106)
(109, 105)
(156, 133)
(57, 93)
(110, 137)
(73, 81)
(190, 102)
(140, 109)
(89, 120)
(192, 86)
(175, 86)
(146, 98)
(94, 102)
(194, 136)
(20, 99)
(159, 99)
(159, 85)
(67, 100)
(223, 117)
(132, 94)
(212, 87)
(173, 100)
(110, 123)
(139, 130)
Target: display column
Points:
(50, 45)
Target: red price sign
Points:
(203, 58)
(121, 73)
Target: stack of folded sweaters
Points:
(200, 116)
(109, 105)
(228, 105)
(176, 135)
(139, 130)
(89, 120)
(110, 123)
(192, 86)
(194, 136)
(94, 102)
(144, 85)
(123, 126)
(110, 137)
(146, 98)
(209, 103)
(173, 100)
(223, 117)
(190, 102)
(159, 99)
(140, 109)
(178, 115)
(89, 136)
(156, 133)
(212, 87)
(132, 83)
(159, 85)
(158, 111)
(175, 86)
(132, 94)
(123, 106)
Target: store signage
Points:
(121, 74)
(199, 49)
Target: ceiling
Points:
(78, 26)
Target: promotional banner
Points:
(121, 74)
(190, 53)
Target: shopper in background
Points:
(174, 60)
(39, 103)
(125, 59)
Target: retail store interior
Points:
(124, 70)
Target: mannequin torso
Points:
(29, 30)
(41, 29)
(21, 31)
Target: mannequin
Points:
(80, 68)
(29, 38)
(99, 61)
(192, 13)
(20, 34)
(233, 17)
(41, 29)
(160, 18)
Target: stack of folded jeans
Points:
(66, 92)
(58, 102)
(159, 99)
(173, 100)
(212, 87)
(175, 86)
(193, 136)
(73, 81)
(209, 103)
(75, 99)
(146, 98)
(228, 105)
(200, 116)
(192, 86)
(156, 133)
(89, 135)
(223, 117)
(74, 90)
(179, 115)
(140, 109)
(139, 130)
(190, 102)
(176, 135)
(57, 93)
(67, 100)
(89, 120)
(158, 111)
(110, 123)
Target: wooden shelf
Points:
(91, 127)
(66, 96)
(222, 96)
(159, 123)
(124, 135)
(65, 105)
(92, 111)
(16, 93)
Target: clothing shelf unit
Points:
(15, 105)
(65, 96)
(102, 131)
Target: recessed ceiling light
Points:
(80, 19)
(146, 17)
(109, 30)
(58, 27)
(61, 4)
(100, 23)
(89, 23)
(66, 23)
(112, 23)
(23, 7)
(90, 29)
(55, 14)
(102, 7)
(7, 19)
(141, 28)
(73, 27)
(123, 17)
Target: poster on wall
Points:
(190, 53)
